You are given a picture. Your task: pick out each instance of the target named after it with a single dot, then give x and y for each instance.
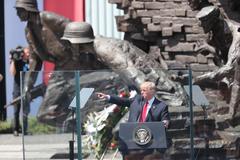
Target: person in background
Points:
(19, 61)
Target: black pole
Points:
(71, 142)
(205, 134)
(3, 114)
(190, 104)
(191, 113)
(71, 150)
(79, 139)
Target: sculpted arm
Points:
(55, 22)
(35, 62)
(135, 66)
(233, 54)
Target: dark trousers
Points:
(17, 109)
(16, 124)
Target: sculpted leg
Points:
(59, 94)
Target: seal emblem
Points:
(142, 135)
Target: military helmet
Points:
(209, 12)
(78, 32)
(29, 5)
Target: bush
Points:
(38, 128)
(5, 127)
(34, 127)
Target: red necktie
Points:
(144, 112)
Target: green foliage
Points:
(5, 127)
(34, 127)
(38, 128)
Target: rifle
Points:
(35, 92)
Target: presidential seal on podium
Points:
(142, 135)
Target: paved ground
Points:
(40, 147)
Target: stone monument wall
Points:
(168, 28)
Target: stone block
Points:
(201, 59)
(195, 37)
(166, 24)
(180, 47)
(191, 13)
(143, 0)
(146, 20)
(159, 19)
(160, 5)
(194, 29)
(167, 31)
(177, 27)
(180, 12)
(153, 27)
(164, 0)
(199, 67)
(167, 13)
(185, 21)
(188, 29)
(148, 13)
(186, 58)
(114, 1)
(161, 13)
(137, 5)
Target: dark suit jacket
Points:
(157, 112)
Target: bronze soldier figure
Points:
(84, 52)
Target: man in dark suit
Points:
(142, 108)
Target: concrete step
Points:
(203, 149)
(183, 112)
(206, 154)
(178, 123)
(178, 133)
(180, 128)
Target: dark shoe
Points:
(15, 133)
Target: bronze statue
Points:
(124, 58)
(43, 32)
(211, 20)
